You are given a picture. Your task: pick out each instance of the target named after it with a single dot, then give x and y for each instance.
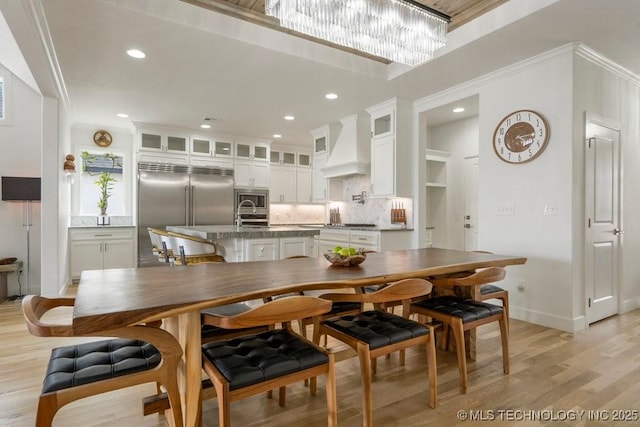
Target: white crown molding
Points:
(596, 58)
(472, 87)
(36, 13)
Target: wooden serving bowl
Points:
(345, 261)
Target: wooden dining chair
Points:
(141, 354)
(375, 333)
(250, 364)
(492, 291)
(463, 314)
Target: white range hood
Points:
(351, 154)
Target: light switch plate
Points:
(550, 209)
(506, 210)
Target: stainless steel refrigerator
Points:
(180, 195)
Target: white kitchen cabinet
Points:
(332, 238)
(249, 173)
(383, 121)
(282, 157)
(377, 241)
(209, 147)
(303, 160)
(282, 184)
(252, 151)
(261, 249)
(163, 141)
(303, 185)
(295, 246)
(365, 240)
(391, 163)
(323, 189)
(383, 167)
(101, 248)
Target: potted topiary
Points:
(105, 183)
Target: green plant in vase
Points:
(105, 183)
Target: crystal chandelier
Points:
(401, 31)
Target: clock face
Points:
(102, 138)
(521, 136)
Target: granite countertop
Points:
(101, 226)
(353, 227)
(217, 232)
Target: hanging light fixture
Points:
(399, 30)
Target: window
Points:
(96, 166)
(2, 98)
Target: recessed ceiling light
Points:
(206, 122)
(135, 53)
(122, 115)
(289, 118)
(277, 135)
(331, 96)
(458, 110)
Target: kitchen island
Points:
(255, 243)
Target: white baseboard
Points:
(630, 305)
(549, 320)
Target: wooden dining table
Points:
(111, 299)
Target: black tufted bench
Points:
(75, 365)
(257, 358)
(462, 315)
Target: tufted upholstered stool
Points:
(462, 315)
(375, 333)
(83, 370)
(250, 364)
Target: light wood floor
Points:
(550, 370)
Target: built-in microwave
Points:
(252, 205)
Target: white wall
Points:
(613, 94)
(460, 138)
(545, 85)
(21, 156)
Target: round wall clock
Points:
(102, 138)
(521, 136)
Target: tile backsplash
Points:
(296, 214)
(372, 211)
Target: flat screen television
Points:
(16, 188)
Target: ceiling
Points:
(201, 63)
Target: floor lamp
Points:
(25, 190)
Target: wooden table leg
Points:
(190, 374)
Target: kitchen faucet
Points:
(238, 217)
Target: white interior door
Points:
(603, 231)
(471, 166)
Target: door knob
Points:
(617, 231)
(467, 226)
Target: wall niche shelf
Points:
(436, 168)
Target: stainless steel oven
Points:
(252, 206)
